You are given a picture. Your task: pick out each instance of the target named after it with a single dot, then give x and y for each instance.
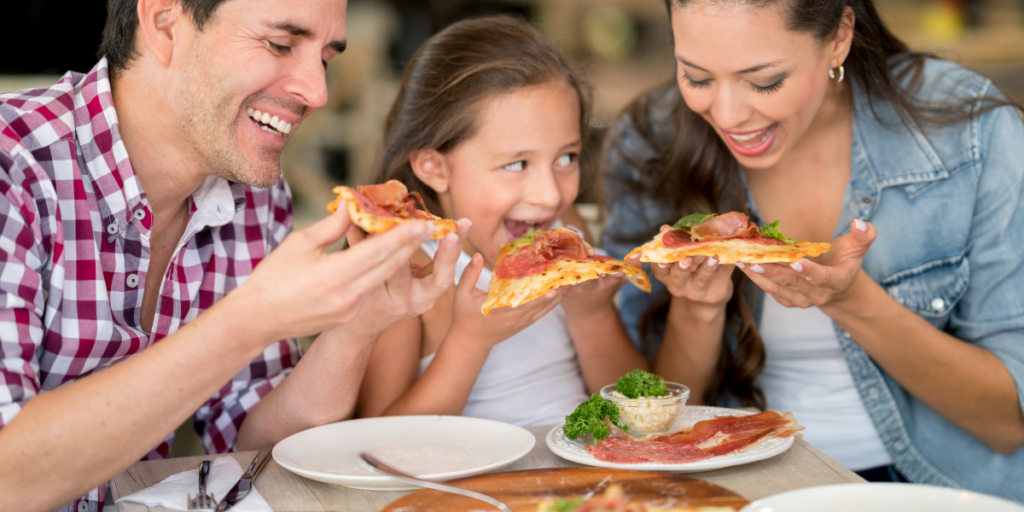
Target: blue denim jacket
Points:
(948, 205)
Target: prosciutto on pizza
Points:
(378, 208)
(541, 261)
(731, 237)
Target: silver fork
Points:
(203, 500)
(375, 465)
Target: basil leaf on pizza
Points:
(772, 231)
(729, 237)
(692, 220)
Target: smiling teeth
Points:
(273, 124)
(752, 140)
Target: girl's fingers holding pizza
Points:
(704, 273)
(462, 227)
(467, 282)
(790, 290)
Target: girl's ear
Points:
(431, 168)
(843, 39)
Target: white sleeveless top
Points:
(805, 373)
(532, 378)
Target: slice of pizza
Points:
(730, 237)
(378, 208)
(614, 499)
(541, 261)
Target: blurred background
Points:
(624, 47)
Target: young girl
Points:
(488, 125)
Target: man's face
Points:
(266, 58)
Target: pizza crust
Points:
(376, 224)
(513, 292)
(729, 251)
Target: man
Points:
(136, 200)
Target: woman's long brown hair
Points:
(450, 75)
(694, 171)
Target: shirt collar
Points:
(114, 181)
(117, 187)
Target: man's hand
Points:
(300, 289)
(411, 290)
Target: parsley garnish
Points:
(588, 416)
(639, 383)
(772, 231)
(692, 220)
(526, 239)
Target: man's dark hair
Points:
(122, 21)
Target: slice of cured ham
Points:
(721, 435)
(724, 227)
(547, 248)
(391, 197)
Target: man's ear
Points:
(431, 168)
(157, 21)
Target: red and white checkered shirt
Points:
(74, 251)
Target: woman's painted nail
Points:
(683, 265)
(740, 265)
(757, 268)
(797, 266)
(662, 265)
(712, 262)
(861, 225)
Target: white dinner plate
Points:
(577, 452)
(881, 497)
(434, 448)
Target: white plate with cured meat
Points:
(745, 439)
(436, 448)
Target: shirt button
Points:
(140, 214)
(898, 446)
(83, 506)
(938, 304)
(112, 228)
(132, 281)
(866, 200)
(873, 393)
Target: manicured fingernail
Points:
(550, 295)
(683, 265)
(796, 266)
(757, 268)
(421, 229)
(861, 225)
(712, 261)
(662, 265)
(740, 265)
(450, 241)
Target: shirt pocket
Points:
(931, 290)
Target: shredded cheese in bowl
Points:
(648, 415)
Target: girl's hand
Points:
(500, 324)
(828, 282)
(697, 279)
(593, 296)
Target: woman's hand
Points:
(828, 282)
(500, 324)
(593, 296)
(697, 279)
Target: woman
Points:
(902, 348)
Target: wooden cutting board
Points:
(523, 490)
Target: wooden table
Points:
(801, 466)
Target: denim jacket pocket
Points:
(932, 289)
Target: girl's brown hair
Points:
(694, 171)
(450, 75)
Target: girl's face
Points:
(759, 84)
(519, 172)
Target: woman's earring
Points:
(832, 74)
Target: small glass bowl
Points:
(648, 415)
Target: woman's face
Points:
(757, 83)
(519, 171)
